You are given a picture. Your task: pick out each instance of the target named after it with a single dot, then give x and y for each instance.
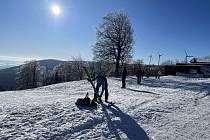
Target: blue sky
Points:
(28, 29)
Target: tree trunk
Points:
(117, 68)
(118, 61)
(34, 78)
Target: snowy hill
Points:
(169, 108)
(8, 75)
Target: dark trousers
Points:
(106, 91)
(139, 80)
(123, 82)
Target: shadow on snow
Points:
(170, 83)
(125, 123)
(135, 90)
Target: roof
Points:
(200, 60)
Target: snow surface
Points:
(168, 108)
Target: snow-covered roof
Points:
(200, 60)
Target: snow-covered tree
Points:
(114, 39)
(49, 77)
(207, 57)
(28, 75)
(43, 76)
(139, 63)
(78, 65)
(58, 74)
(69, 71)
(103, 67)
(168, 62)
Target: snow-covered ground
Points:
(169, 108)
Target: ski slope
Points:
(168, 108)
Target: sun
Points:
(56, 10)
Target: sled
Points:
(85, 101)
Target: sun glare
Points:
(56, 10)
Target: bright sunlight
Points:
(56, 10)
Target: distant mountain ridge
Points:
(7, 76)
(50, 63)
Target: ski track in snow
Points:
(169, 108)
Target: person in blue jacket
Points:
(101, 82)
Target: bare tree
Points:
(103, 67)
(28, 75)
(23, 77)
(139, 63)
(58, 74)
(206, 57)
(43, 76)
(168, 62)
(49, 77)
(114, 39)
(78, 65)
(68, 70)
(35, 69)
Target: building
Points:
(196, 66)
